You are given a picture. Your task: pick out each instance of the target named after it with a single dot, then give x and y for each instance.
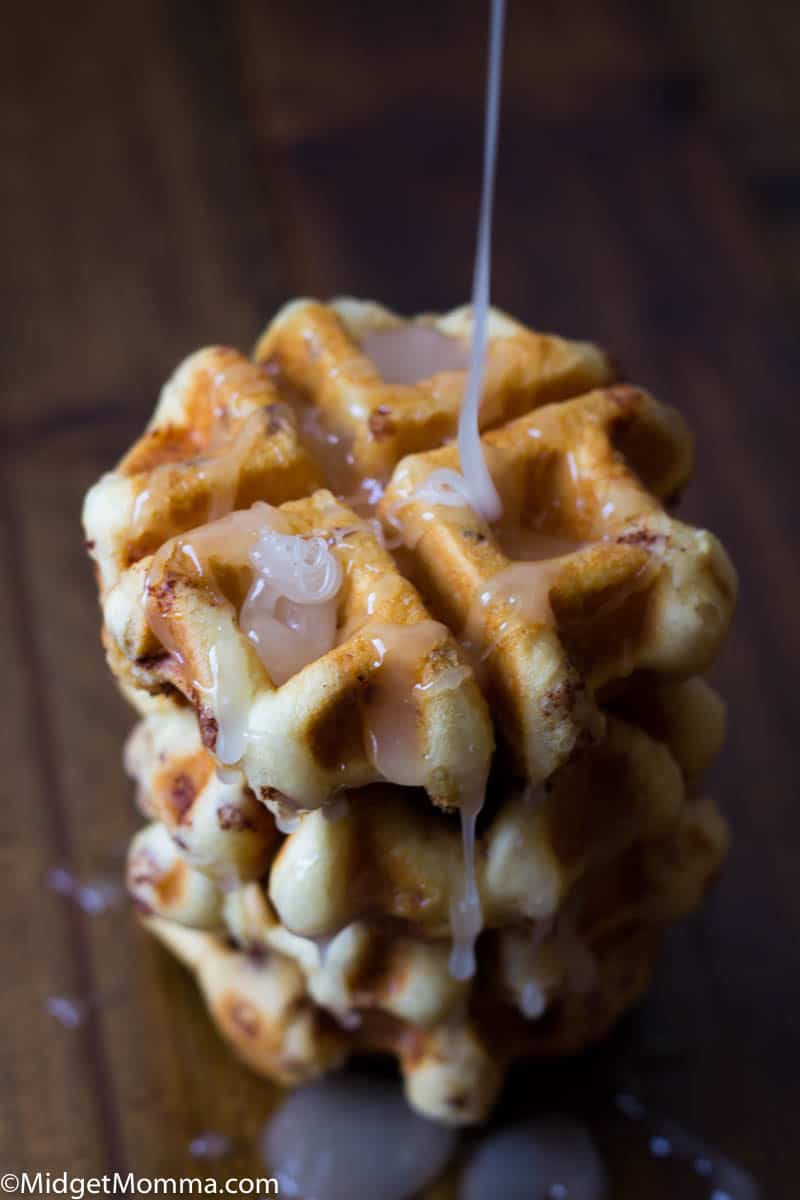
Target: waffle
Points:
(216, 821)
(334, 657)
(553, 975)
(586, 581)
(318, 356)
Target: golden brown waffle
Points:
(585, 581)
(324, 728)
(388, 856)
(216, 821)
(302, 857)
(317, 355)
(219, 439)
(551, 978)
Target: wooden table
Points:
(171, 172)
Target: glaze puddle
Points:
(549, 1158)
(350, 1137)
(412, 352)
(353, 1137)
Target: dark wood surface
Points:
(170, 173)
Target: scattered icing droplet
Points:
(211, 1146)
(549, 1158)
(353, 1138)
(466, 918)
(67, 1010)
(60, 880)
(660, 1147)
(446, 681)
(391, 713)
(99, 896)
(94, 897)
(289, 614)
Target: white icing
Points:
(466, 918)
(68, 1012)
(549, 1158)
(211, 1145)
(96, 896)
(220, 469)
(302, 570)
(353, 1138)
(290, 611)
(524, 589)
(443, 486)
(229, 701)
(485, 499)
(410, 352)
(391, 714)
(532, 1000)
(667, 1139)
(223, 473)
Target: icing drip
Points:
(391, 714)
(444, 488)
(395, 749)
(211, 1145)
(411, 352)
(353, 1138)
(224, 473)
(523, 544)
(485, 499)
(466, 918)
(524, 588)
(533, 998)
(220, 470)
(229, 699)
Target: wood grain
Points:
(169, 174)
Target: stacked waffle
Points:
(416, 783)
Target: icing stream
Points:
(485, 499)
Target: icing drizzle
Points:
(481, 489)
